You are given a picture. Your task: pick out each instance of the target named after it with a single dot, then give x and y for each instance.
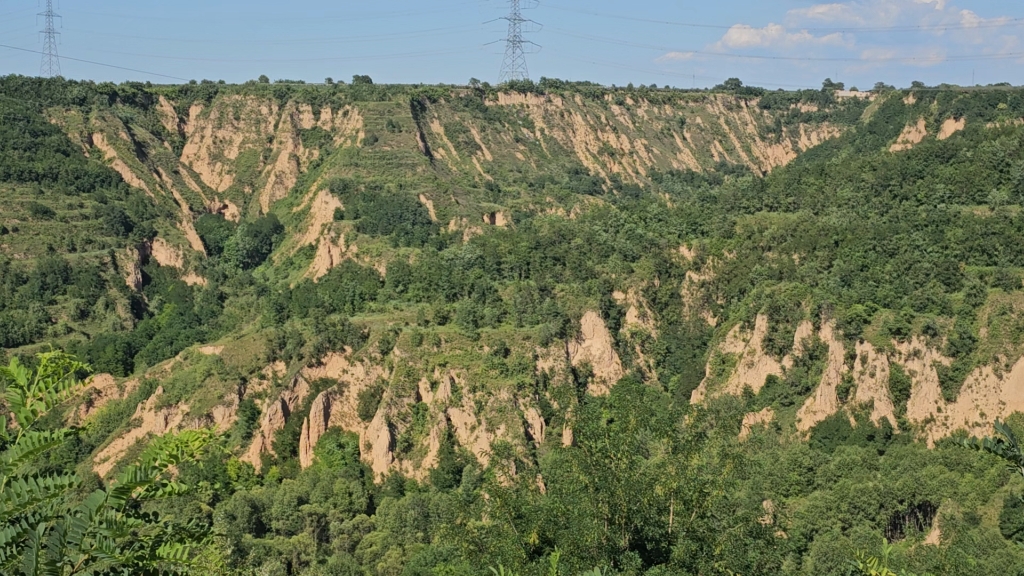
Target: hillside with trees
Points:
(538, 328)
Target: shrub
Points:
(368, 401)
(40, 211)
(900, 385)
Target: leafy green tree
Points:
(1005, 446)
(215, 232)
(874, 566)
(44, 529)
(828, 84)
(253, 242)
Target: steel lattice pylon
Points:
(514, 66)
(50, 66)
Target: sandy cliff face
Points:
(240, 156)
(753, 364)
(990, 392)
(824, 402)
(632, 138)
(594, 346)
(217, 134)
(871, 374)
(275, 412)
(474, 419)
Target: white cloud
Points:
(970, 19)
(847, 38)
(835, 25)
(675, 57)
(773, 36)
(939, 4)
(826, 13)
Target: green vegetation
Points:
(455, 287)
(51, 522)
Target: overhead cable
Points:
(993, 23)
(937, 58)
(97, 63)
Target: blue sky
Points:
(780, 43)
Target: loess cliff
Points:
(684, 198)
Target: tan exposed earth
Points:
(101, 389)
(753, 364)
(911, 136)
(630, 140)
(987, 393)
(153, 420)
(330, 253)
(275, 412)
(762, 418)
(984, 397)
(321, 213)
(951, 126)
(871, 374)
(594, 346)
(430, 207)
(824, 402)
(165, 254)
(130, 263)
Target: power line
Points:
(98, 63)
(415, 54)
(50, 65)
(275, 18)
(15, 12)
(670, 74)
(905, 59)
(285, 41)
(997, 23)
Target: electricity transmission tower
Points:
(514, 65)
(50, 66)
